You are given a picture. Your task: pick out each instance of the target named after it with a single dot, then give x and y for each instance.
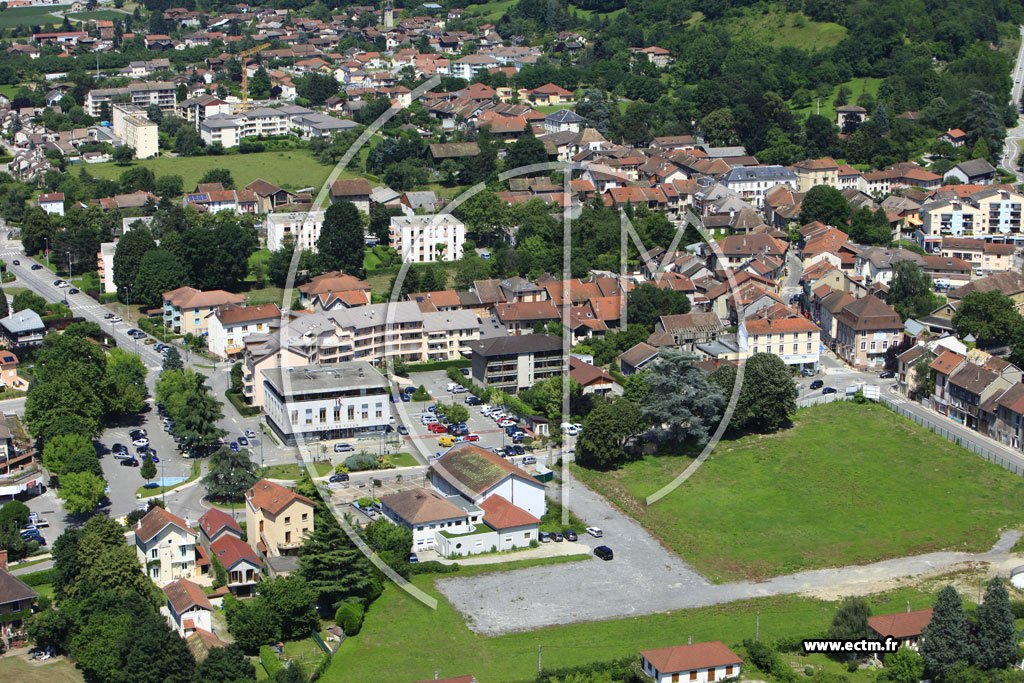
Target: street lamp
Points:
(69, 280)
(46, 240)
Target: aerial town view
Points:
(517, 341)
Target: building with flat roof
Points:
(428, 239)
(301, 226)
(518, 362)
(136, 130)
(315, 402)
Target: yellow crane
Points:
(245, 72)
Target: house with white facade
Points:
(476, 474)
(699, 662)
(753, 182)
(302, 226)
(166, 546)
(428, 239)
(781, 331)
(188, 608)
(426, 511)
(52, 203)
(230, 325)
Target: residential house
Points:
(699, 662)
(954, 136)
(984, 257)
(230, 324)
(303, 227)
(686, 330)
(269, 196)
(277, 519)
(634, 359)
(970, 386)
(906, 627)
(944, 365)
(317, 403)
(22, 329)
(1009, 284)
(516, 363)
(907, 378)
(355, 190)
(811, 172)
(477, 474)
(241, 562)
(592, 379)
(849, 117)
(547, 95)
(16, 599)
(52, 202)
(973, 172)
(188, 310)
(658, 56)
(784, 332)
(562, 121)
(752, 183)
(426, 512)
(520, 317)
(332, 290)
(865, 329)
(9, 372)
(188, 608)
(166, 546)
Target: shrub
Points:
(108, 297)
(808, 671)
(270, 661)
(38, 578)
(852, 665)
(421, 394)
(360, 461)
(433, 567)
(243, 408)
(1017, 606)
(350, 618)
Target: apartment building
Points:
(992, 213)
(302, 226)
(277, 519)
(230, 325)
(136, 130)
(783, 332)
(141, 94)
(983, 256)
(865, 329)
(197, 109)
(229, 130)
(428, 239)
(516, 363)
(318, 403)
(105, 267)
(188, 310)
(166, 546)
(811, 172)
(753, 182)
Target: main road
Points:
(1012, 143)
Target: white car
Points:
(570, 430)
(116, 319)
(595, 532)
(140, 442)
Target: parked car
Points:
(446, 441)
(604, 552)
(595, 532)
(250, 434)
(234, 446)
(471, 437)
(344, 448)
(829, 390)
(436, 428)
(817, 384)
(545, 537)
(129, 462)
(242, 441)
(119, 448)
(340, 476)
(141, 441)
(570, 535)
(473, 400)
(413, 559)
(33, 537)
(405, 398)
(887, 374)
(73, 290)
(518, 450)
(530, 460)
(60, 283)
(557, 537)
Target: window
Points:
(863, 346)
(305, 516)
(728, 670)
(295, 417)
(794, 348)
(181, 550)
(872, 346)
(323, 415)
(337, 413)
(309, 416)
(380, 410)
(693, 675)
(287, 520)
(808, 347)
(351, 413)
(287, 537)
(261, 525)
(711, 675)
(155, 553)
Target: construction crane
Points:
(245, 72)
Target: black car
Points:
(509, 451)
(829, 390)
(119, 448)
(817, 384)
(129, 462)
(72, 291)
(474, 400)
(16, 262)
(34, 537)
(340, 476)
(569, 534)
(36, 266)
(519, 450)
(887, 374)
(604, 552)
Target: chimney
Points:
(3, 560)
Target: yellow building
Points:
(137, 131)
(811, 172)
(276, 519)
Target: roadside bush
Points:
(808, 671)
(1017, 606)
(350, 618)
(852, 665)
(421, 394)
(433, 567)
(38, 578)
(360, 461)
(270, 661)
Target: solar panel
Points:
(196, 197)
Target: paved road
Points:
(1012, 144)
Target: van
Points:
(446, 441)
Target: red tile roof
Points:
(184, 595)
(500, 514)
(231, 550)
(901, 625)
(213, 520)
(155, 521)
(690, 657)
(266, 495)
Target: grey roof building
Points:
(24, 328)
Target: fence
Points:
(976, 447)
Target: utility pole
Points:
(539, 649)
(757, 627)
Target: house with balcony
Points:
(277, 519)
(865, 329)
(22, 329)
(188, 310)
(517, 362)
(906, 627)
(242, 564)
(166, 546)
(230, 325)
(944, 365)
(187, 609)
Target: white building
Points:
(428, 239)
(477, 474)
(753, 182)
(700, 663)
(188, 608)
(52, 203)
(105, 266)
(425, 512)
(794, 339)
(303, 226)
(230, 325)
(229, 130)
(166, 546)
(136, 130)
(320, 402)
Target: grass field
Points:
(293, 471)
(403, 460)
(489, 12)
(291, 169)
(99, 15)
(17, 669)
(21, 16)
(403, 640)
(781, 29)
(848, 484)
(828, 110)
(587, 13)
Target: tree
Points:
(231, 474)
(945, 640)
(159, 271)
(292, 598)
(137, 178)
(172, 360)
(607, 431)
(983, 121)
(989, 316)
(910, 292)
(470, 268)
(526, 151)
(995, 641)
(169, 186)
(766, 398)
(60, 450)
(341, 242)
(981, 150)
(126, 375)
(825, 204)
(155, 654)
(259, 84)
(679, 401)
(81, 492)
(225, 665)
(188, 403)
(123, 155)
(219, 175)
(453, 412)
(13, 515)
(851, 620)
(187, 141)
(128, 257)
(334, 567)
(27, 299)
(148, 469)
(4, 308)
(868, 226)
(647, 303)
(252, 623)
(904, 666)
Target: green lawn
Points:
(10, 91)
(403, 460)
(290, 169)
(857, 87)
(100, 15)
(294, 471)
(552, 108)
(780, 29)
(18, 669)
(21, 16)
(489, 12)
(266, 295)
(410, 641)
(587, 13)
(848, 484)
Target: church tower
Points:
(389, 15)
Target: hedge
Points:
(360, 462)
(243, 408)
(350, 618)
(438, 365)
(433, 567)
(38, 578)
(270, 661)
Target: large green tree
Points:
(226, 665)
(66, 448)
(766, 398)
(128, 257)
(27, 299)
(995, 639)
(230, 474)
(607, 432)
(946, 639)
(851, 620)
(159, 271)
(334, 566)
(910, 291)
(826, 204)
(525, 151)
(292, 598)
(126, 376)
(341, 243)
(989, 316)
(904, 666)
(647, 303)
(81, 492)
(680, 403)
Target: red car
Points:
(436, 428)
(471, 437)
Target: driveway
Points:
(645, 578)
